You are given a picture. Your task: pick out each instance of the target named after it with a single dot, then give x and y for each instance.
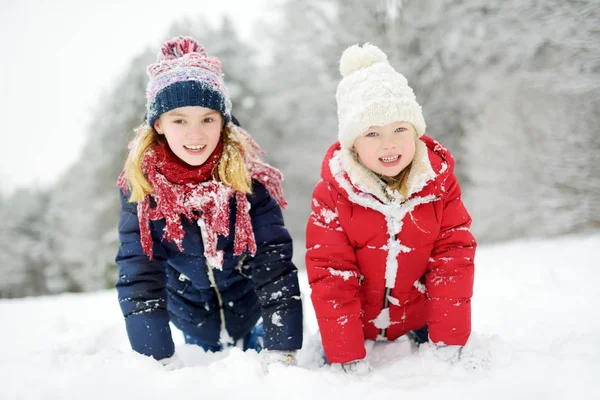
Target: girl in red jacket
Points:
(389, 249)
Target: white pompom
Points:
(356, 57)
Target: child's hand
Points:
(284, 357)
(449, 354)
(356, 367)
(475, 356)
(172, 363)
(470, 357)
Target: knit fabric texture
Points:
(372, 93)
(184, 75)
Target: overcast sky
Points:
(59, 56)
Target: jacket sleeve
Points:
(334, 279)
(449, 280)
(274, 275)
(141, 288)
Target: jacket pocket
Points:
(177, 282)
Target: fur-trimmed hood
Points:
(430, 168)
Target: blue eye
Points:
(400, 129)
(371, 134)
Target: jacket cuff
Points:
(283, 329)
(150, 334)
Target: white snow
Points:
(344, 274)
(328, 215)
(383, 319)
(535, 311)
(276, 319)
(420, 287)
(276, 295)
(393, 300)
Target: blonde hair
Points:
(399, 182)
(231, 169)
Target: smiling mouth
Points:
(194, 148)
(389, 159)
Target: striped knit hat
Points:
(182, 76)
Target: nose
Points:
(389, 143)
(195, 130)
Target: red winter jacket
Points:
(380, 268)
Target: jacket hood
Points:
(431, 166)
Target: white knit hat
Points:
(372, 93)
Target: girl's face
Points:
(387, 150)
(191, 132)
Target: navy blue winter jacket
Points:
(174, 286)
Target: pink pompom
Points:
(180, 46)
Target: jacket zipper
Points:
(386, 304)
(386, 301)
(213, 283)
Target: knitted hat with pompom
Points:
(182, 76)
(372, 93)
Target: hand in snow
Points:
(469, 356)
(284, 357)
(449, 354)
(475, 356)
(172, 363)
(356, 367)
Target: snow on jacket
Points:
(176, 286)
(379, 268)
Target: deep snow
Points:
(536, 320)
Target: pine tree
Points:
(23, 257)
(533, 96)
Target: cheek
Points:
(173, 130)
(365, 149)
(364, 154)
(173, 141)
(409, 154)
(215, 133)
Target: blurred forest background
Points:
(511, 87)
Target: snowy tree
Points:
(23, 257)
(530, 114)
(299, 104)
(84, 204)
(240, 70)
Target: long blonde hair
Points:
(231, 169)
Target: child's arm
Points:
(141, 289)
(333, 276)
(274, 275)
(450, 272)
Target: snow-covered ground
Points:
(536, 312)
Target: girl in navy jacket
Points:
(203, 242)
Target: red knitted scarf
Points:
(181, 173)
(180, 189)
